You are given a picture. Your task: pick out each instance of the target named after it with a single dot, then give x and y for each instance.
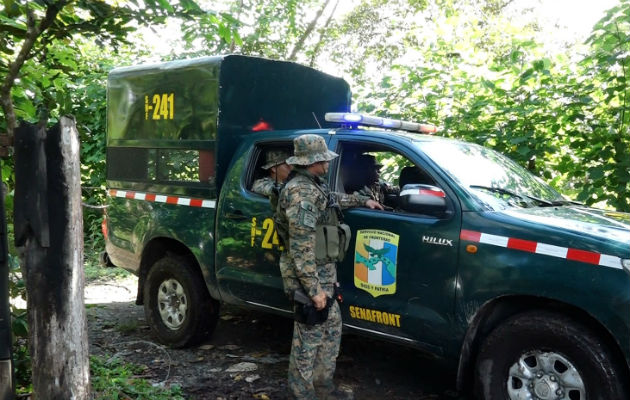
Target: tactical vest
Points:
(281, 225)
(332, 236)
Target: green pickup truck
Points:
(474, 260)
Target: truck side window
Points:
(257, 172)
(378, 172)
(127, 163)
(141, 164)
(259, 159)
(175, 165)
(412, 174)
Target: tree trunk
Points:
(49, 226)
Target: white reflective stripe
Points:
(578, 255)
(494, 240)
(610, 261)
(159, 198)
(208, 203)
(550, 250)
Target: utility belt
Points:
(304, 310)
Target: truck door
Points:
(399, 275)
(248, 249)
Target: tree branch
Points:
(300, 43)
(323, 30)
(33, 31)
(238, 18)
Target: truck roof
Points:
(406, 136)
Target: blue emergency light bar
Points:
(370, 120)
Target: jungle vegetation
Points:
(475, 68)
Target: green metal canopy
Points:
(211, 102)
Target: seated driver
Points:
(374, 186)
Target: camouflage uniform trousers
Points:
(314, 351)
(378, 191)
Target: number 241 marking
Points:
(162, 105)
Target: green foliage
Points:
(567, 123)
(66, 70)
(19, 328)
(113, 379)
(265, 28)
(46, 63)
(461, 64)
(54, 58)
(604, 141)
(88, 105)
(94, 271)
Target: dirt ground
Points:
(247, 356)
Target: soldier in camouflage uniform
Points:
(275, 163)
(375, 188)
(304, 204)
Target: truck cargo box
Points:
(209, 103)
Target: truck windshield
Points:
(489, 176)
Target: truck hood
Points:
(598, 224)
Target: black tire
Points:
(177, 305)
(555, 353)
(104, 260)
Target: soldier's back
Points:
(303, 188)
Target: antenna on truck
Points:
(315, 116)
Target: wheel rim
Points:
(541, 375)
(172, 303)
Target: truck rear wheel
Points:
(544, 355)
(177, 305)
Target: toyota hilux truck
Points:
(474, 260)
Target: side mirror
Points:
(423, 199)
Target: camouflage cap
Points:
(309, 149)
(275, 157)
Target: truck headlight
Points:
(626, 264)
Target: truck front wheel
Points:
(177, 305)
(544, 355)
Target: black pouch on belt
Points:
(306, 313)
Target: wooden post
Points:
(49, 227)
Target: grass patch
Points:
(94, 271)
(127, 327)
(113, 379)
